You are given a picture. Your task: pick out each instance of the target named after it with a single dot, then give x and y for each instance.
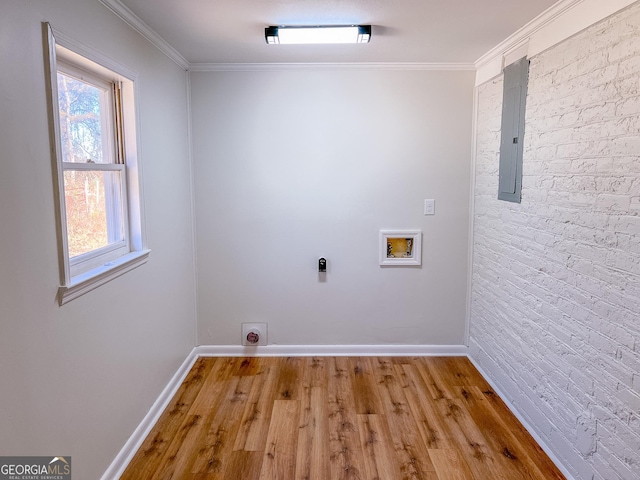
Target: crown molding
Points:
(123, 12)
(270, 67)
(522, 35)
(146, 31)
(557, 23)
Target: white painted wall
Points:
(77, 379)
(294, 165)
(555, 315)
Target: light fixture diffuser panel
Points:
(310, 36)
(318, 35)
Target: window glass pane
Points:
(94, 209)
(83, 121)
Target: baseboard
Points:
(120, 463)
(125, 455)
(523, 421)
(130, 448)
(331, 350)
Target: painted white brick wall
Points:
(555, 313)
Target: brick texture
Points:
(555, 313)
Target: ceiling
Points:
(420, 31)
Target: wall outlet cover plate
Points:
(259, 328)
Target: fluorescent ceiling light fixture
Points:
(318, 34)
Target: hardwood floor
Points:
(317, 418)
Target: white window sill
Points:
(87, 281)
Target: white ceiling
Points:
(421, 31)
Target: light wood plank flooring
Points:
(308, 418)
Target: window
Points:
(512, 130)
(98, 208)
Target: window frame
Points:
(115, 162)
(85, 272)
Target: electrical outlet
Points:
(254, 334)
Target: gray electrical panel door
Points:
(512, 131)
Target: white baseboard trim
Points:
(331, 350)
(120, 463)
(523, 421)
